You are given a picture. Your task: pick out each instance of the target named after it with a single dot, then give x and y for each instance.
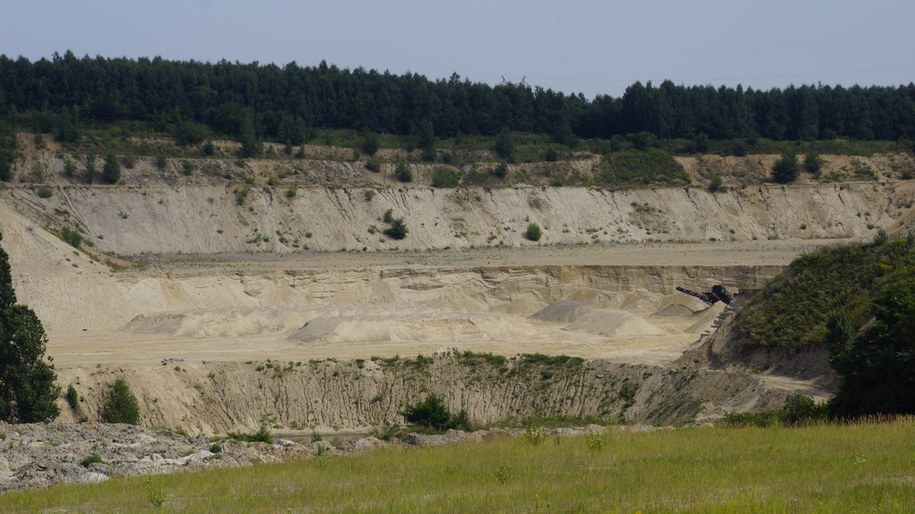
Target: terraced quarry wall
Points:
(209, 219)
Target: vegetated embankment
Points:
(216, 397)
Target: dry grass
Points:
(867, 466)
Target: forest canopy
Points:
(282, 103)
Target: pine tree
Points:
(28, 392)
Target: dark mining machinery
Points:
(718, 294)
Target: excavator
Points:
(718, 294)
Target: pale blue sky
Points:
(568, 45)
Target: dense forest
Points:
(282, 103)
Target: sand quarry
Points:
(187, 293)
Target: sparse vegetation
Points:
(261, 436)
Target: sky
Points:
(575, 46)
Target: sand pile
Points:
(400, 325)
(581, 317)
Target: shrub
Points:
(533, 232)
(90, 460)
(71, 397)
(503, 146)
(739, 147)
(291, 192)
(715, 184)
(44, 192)
(397, 230)
(445, 177)
(187, 167)
(403, 172)
(801, 409)
(69, 168)
(215, 448)
(112, 169)
(880, 238)
(261, 436)
(189, 133)
(433, 413)
(373, 165)
(120, 405)
(72, 236)
(551, 155)
(90, 169)
(370, 145)
(241, 193)
(813, 163)
(208, 149)
(388, 216)
(785, 169)
(500, 171)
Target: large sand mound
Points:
(612, 323)
(581, 317)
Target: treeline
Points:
(283, 103)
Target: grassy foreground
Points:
(861, 467)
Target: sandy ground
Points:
(627, 325)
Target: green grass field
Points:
(855, 468)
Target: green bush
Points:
(71, 397)
(551, 155)
(445, 177)
(370, 145)
(72, 236)
(373, 165)
(397, 230)
(403, 173)
(112, 169)
(504, 147)
(92, 459)
(241, 193)
(813, 163)
(500, 171)
(120, 404)
(433, 413)
(388, 216)
(44, 192)
(69, 168)
(785, 169)
(261, 436)
(800, 409)
(715, 183)
(533, 232)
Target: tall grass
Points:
(867, 466)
